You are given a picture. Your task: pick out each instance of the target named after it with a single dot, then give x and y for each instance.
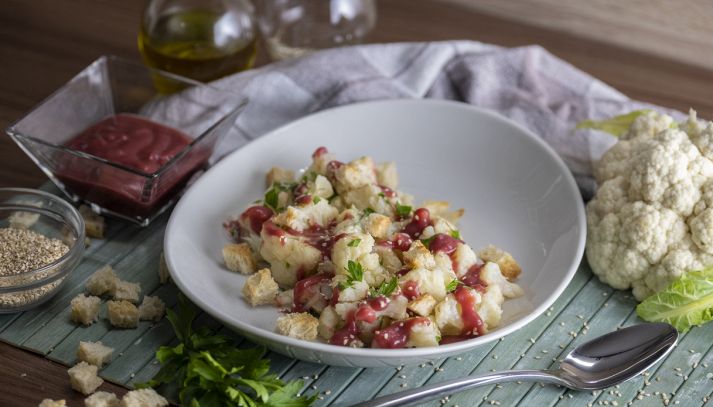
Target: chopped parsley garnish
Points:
(403, 210)
(354, 273)
(427, 242)
(310, 176)
(354, 243)
(316, 200)
(272, 196)
(450, 287)
(455, 234)
(367, 212)
(386, 288)
(382, 195)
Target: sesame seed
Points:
(327, 392)
(404, 384)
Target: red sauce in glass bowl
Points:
(135, 143)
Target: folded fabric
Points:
(527, 84)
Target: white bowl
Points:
(516, 191)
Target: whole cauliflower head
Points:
(652, 217)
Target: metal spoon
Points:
(602, 362)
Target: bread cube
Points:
(300, 325)
(278, 174)
(355, 174)
(83, 378)
(122, 314)
(508, 266)
(126, 291)
(239, 258)
(151, 309)
(377, 225)
(94, 353)
(102, 399)
(260, 288)
(52, 403)
(163, 274)
(93, 223)
(423, 305)
(418, 256)
(102, 281)
(85, 310)
(143, 398)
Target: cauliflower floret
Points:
(508, 267)
(320, 159)
(357, 291)
(348, 222)
(431, 282)
(377, 225)
(328, 321)
(622, 247)
(355, 174)
(648, 124)
(423, 305)
(357, 248)
(387, 175)
(278, 174)
(448, 314)
(464, 258)
(321, 187)
(441, 225)
(418, 256)
(302, 217)
(423, 334)
(492, 276)
(288, 256)
(369, 196)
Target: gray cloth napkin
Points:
(527, 84)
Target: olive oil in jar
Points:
(198, 44)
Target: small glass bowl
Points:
(52, 217)
(111, 86)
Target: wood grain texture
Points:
(652, 50)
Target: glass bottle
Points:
(199, 39)
(292, 28)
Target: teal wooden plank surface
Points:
(586, 309)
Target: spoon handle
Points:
(432, 391)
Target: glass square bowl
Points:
(112, 86)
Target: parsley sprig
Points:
(386, 288)
(210, 371)
(354, 273)
(403, 211)
(354, 243)
(450, 287)
(272, 196)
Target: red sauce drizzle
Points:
(307, 289)
(421, 220)
(410, 290)
(442, 242)
(348, 334)
(303, 200)
(257, 216)
(472, 278)
(388, 192)
(401, 241)
(271, 229)
(378, 303)
(403, 271)
(472, 324)
(397, 334)
(300, 189)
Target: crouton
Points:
(143, 398)
(260, 288)
(239, 258)
(387, 175)
(85, 310)
(277, 174)
(94, 353)
(377, 225)
(102, 281)
(52, 403)
(93, 223)
(418, 256)
(423, 305)
(126, 291)
(300, 325)
(508, 266)
(102, 399)
(83, 378)
(122, 314)
(151, 309)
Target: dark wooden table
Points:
(43, 43)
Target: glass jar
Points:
(199, 39)
(292, 28)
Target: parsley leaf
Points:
(455, 234)
(354, 273)
(403, 210)
(450, 287)
(427, 242)
(354, 243)
(316, 200)
(210, 370)
(271, 198)
(386, 288)
(382, 195)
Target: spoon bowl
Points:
(594, 365)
